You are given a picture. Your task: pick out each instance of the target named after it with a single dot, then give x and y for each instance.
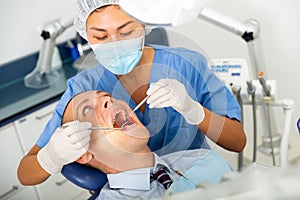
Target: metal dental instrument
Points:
(96, 128)
(103, 128)
(145, 99)
(141, 103)
(180, 173)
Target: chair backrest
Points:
(90, 178)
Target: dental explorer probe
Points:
(145, 99)
(103, 128)
(96, 128)
(141, 103)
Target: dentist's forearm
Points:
(29, 171)
(228, 133)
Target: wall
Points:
(21, 24)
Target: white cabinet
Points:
(29, 129)
(57, 187)
(31, 126)
(28, 193)
(10, 156)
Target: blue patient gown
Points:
(169, 130)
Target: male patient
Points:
(134, 171)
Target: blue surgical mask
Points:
(119, 57)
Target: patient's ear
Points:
(85, 158)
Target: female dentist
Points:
(186, 101)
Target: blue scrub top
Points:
(169, 131)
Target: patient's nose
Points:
(106, 102)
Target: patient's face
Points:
(101, 109)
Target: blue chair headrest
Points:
(84, 176)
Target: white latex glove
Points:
(65, 146)
(170, 92)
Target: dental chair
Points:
(88, 177)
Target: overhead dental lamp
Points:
(163, 13)
(43, 74)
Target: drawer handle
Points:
(61, 182)
(14, 188)
(44, 115)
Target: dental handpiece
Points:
(250, 87)
(262, 81)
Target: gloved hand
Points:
(65, 146)
(170, 92)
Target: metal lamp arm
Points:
(50, 32)
(248, 30)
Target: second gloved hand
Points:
(170, 92)
(65, 146)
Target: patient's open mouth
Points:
(122, 119)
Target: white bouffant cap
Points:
(84, 9)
